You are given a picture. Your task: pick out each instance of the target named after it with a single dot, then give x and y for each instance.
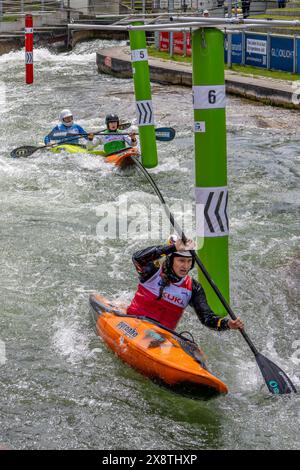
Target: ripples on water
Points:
(61, 387)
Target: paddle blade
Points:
(124, 126)
(165, 134)
(22, 152)
(277, 381)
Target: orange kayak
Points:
(160, 354)
(122, 159)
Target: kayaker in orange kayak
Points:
(166, 290)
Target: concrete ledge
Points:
(116, 62)
(260, 92)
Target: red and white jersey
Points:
(169, 309)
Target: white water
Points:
(60, 387)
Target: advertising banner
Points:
(256, 50)
(282, 54)
(236, 48)
(164, 41)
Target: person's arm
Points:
(83, 139)
(49, 137)
(131, 140)
(204, 312)
(144, 260)
(207, 316)
(93, 141)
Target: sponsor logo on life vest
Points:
(173, 298)
(127, 329)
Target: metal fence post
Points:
(184, 43)
(22, 6)
(229, 8)
(156, 40)
(171, 43)
(268, 51)
(295, 55)
(1, 9)
(243, 48)
(229, 49)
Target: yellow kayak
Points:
(72, 148)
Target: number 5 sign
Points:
(138, 55)
(209, 97)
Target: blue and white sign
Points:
(281, 51)
(236, 48)
(282, 54)
(256, 50)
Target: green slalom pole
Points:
(211, 161)
(142, 87)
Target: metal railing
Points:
(12, 9)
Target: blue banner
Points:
(298, 55)
(256, 50)
(282, 54)
(281, 51)
(236, 48)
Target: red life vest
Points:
(169, 309)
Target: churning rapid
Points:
(60, 386)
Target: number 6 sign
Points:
(209, 97)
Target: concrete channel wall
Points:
(116, 62)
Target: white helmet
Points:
(172, 241)
(64, 114)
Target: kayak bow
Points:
(157, 352)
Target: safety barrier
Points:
(262, 50)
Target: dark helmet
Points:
(112, 118)
(184, 254)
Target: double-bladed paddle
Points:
(28, 150)
(276, 379)
(163, 134)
